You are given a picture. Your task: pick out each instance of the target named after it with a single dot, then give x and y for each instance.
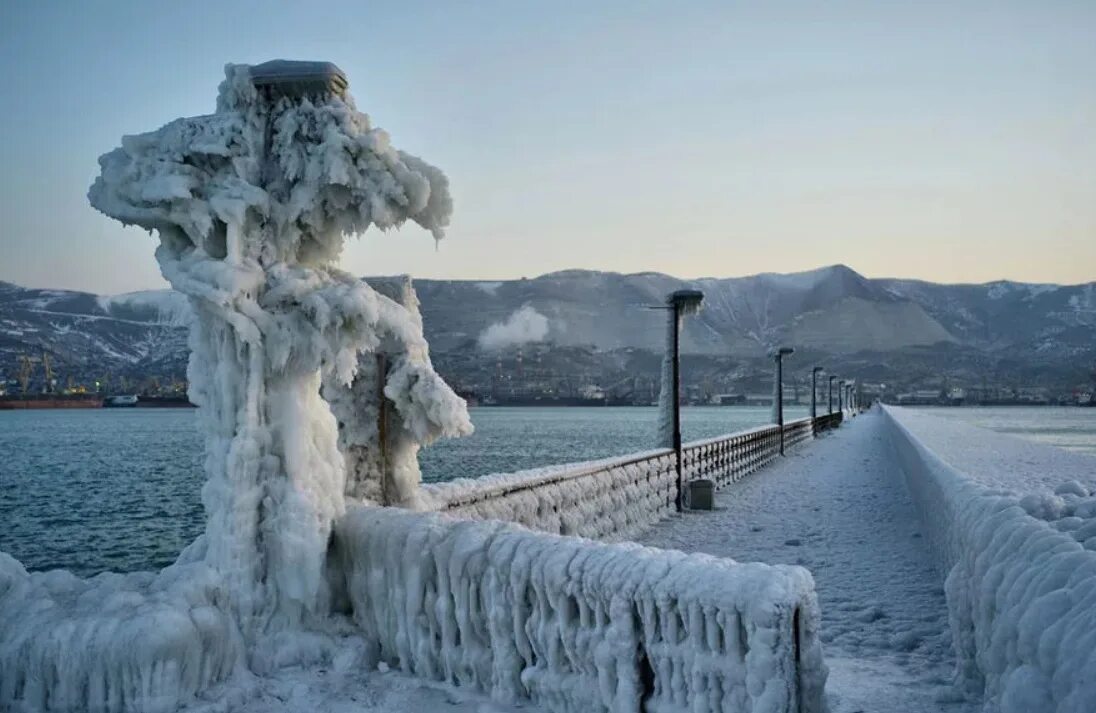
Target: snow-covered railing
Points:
(575, 625)
(614, 498)
(607, 499)
(1020, 569)
(727, 459)
(827, 421)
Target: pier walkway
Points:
(841, 509)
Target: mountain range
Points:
(1040, 332)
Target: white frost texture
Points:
(609, 499)
(523, 326)
(674, 322)
(251, 205)
(580, 626)
(1021, 571)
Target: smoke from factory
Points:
(524, 325)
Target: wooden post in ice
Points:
(380, 454)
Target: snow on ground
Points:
(343, 687)
(1000, 460)
(840, 509)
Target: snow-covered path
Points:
(840, 508)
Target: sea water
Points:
(120, 489)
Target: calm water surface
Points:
(1066, 427)
(118, 489)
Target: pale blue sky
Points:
(950, 141)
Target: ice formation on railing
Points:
(614, 498)
(610, 499)
(575, 625)
(251, 204)
(1021, 581)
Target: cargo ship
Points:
(61, 401)
(49, 401)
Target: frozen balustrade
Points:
(579, 626)
(615, 498)
(1013, 525)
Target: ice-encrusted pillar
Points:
(251, 204)
(678, 304)
(380, 448)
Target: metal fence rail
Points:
(618, 497)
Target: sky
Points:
(948, 141)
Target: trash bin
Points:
(701, 494)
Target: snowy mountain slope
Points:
(92, 336)
(1008, 315)
(831, 310)
(744, 315)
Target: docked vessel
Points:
(120, 401)
(49, 401)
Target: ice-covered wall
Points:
(579, 626)
(1020, 575)
(614, 498)
(139, 642)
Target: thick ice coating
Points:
(251, 205)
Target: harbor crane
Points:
(26, 368)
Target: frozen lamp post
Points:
(252, 205)
(778, 391)
(841, 396)
(829, 394)
(679, 303)
(814, 391)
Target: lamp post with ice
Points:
(679, 304)
(778, 390)
(829, 394)
(814, 391)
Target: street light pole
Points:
(841, 396)
(680, 303)
(778, 391)
(829, 395)
(814, 391)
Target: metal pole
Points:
(841, 396)
(814, 392)
(780, 398)
(829, 396)
(678, 502)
